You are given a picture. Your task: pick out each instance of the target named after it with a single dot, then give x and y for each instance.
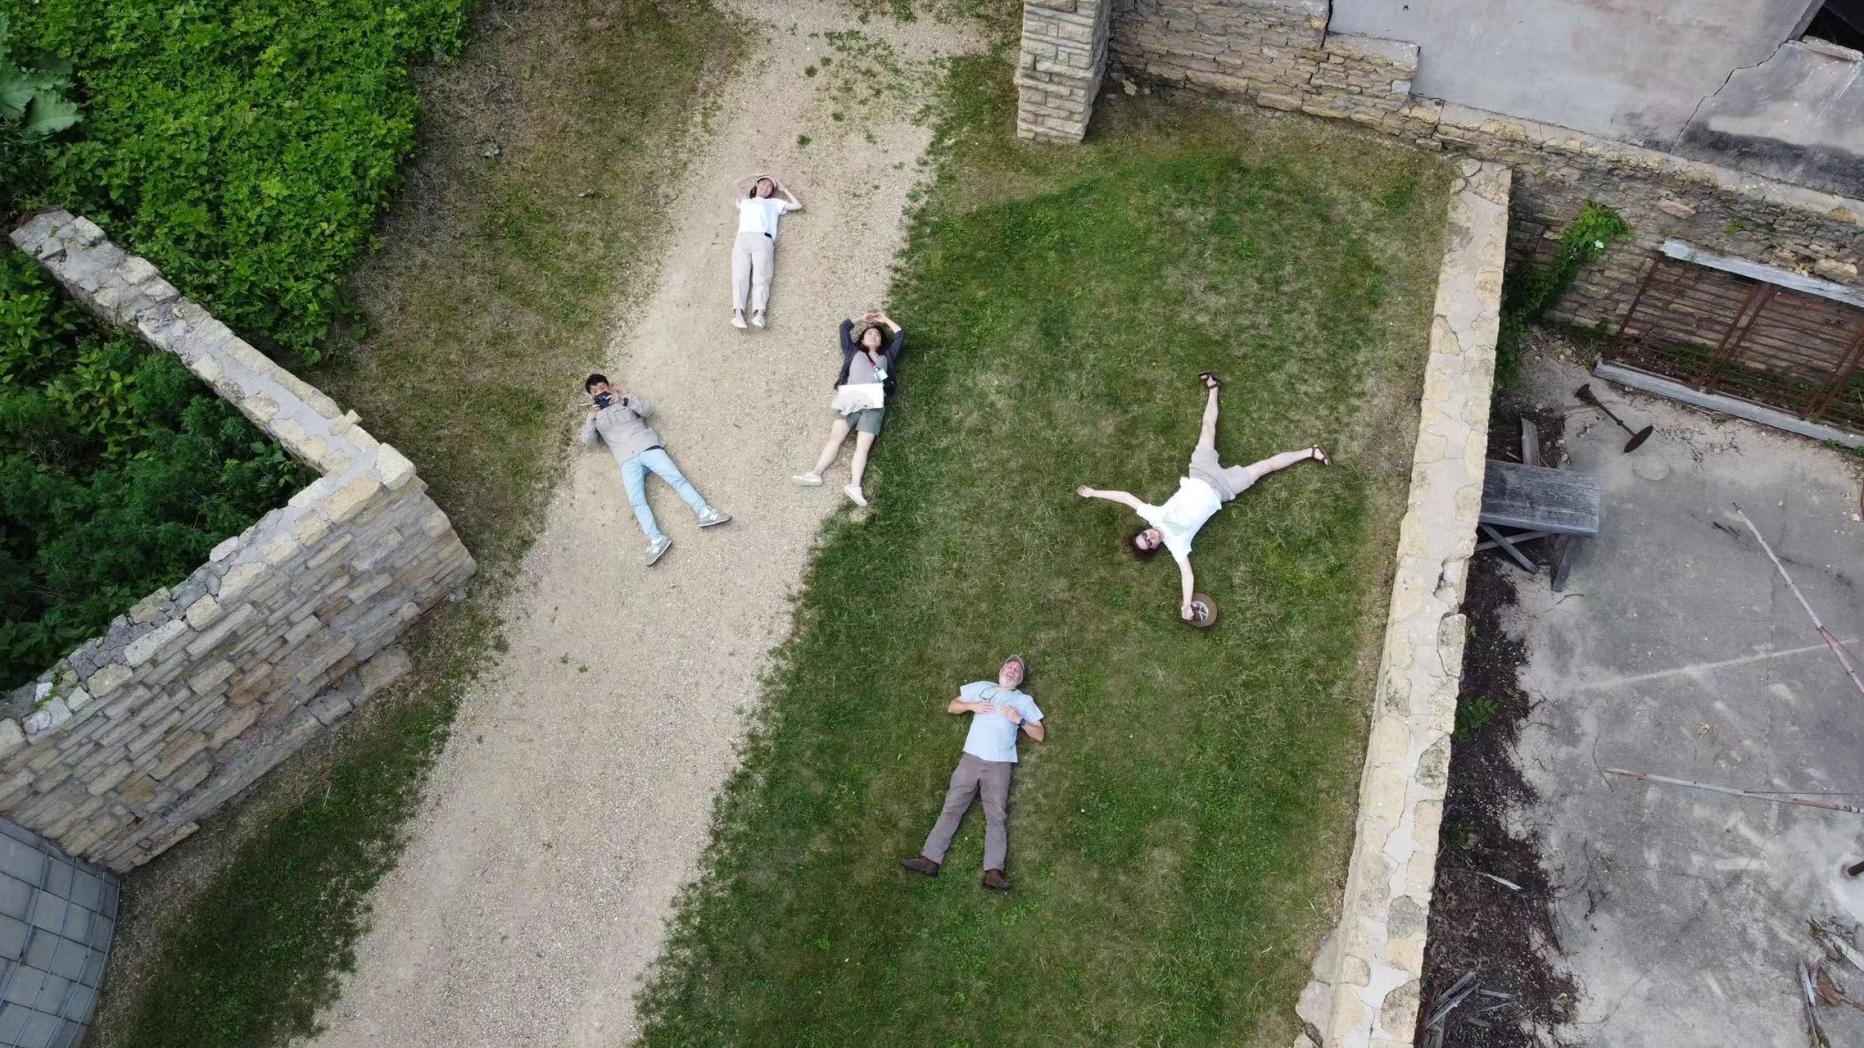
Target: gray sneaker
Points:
(657, 549)
(711, 518)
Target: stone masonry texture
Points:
(1279, 54)
(1064, 53)
(118, 750)
(1367, 976)
(57, 921)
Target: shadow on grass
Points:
(1178, 842)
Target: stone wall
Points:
(1367, 976)
(1279, 54)
(1064, 53)
(118, 749)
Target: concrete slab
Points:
(1676, 650)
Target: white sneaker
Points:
(853, 491)
(737, 319)
(808, 480)
(758, 319)
(658, 549)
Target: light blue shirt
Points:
(992, 736)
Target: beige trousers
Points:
(751, 257)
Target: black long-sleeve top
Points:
(849, 349)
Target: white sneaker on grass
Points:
(657, 549)
(712, 518)
(853, 491)
(737, 319)
(808, 480)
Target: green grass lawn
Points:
(1178, 843)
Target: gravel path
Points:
(574, 797)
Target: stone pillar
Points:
(1064, 53)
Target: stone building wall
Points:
(119, 749)
(1279, 54)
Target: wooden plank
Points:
(1541, 499)
(1508, 547)
(1687, 252)
(1530, 443)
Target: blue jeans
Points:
(634, 478)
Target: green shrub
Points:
(244, 147)
(119, 472)
(1534, 289)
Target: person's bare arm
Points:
(879, 316)
(1124, 498)
(788, 197)
(958, 705)
(1015, 716)
(1187, 580)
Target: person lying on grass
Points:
(760, 201)
(868, 376)
(621, 423)
(1200, 495)
(999, 713)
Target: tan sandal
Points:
(1211, 381)
(1319, 454)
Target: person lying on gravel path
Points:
(621, 423)
(1000, 713)
(760, 201)
(1200, 495)
(868, 376)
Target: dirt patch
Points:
(1503, 933)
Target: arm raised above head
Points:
(1124, 498)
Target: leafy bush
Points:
(244, 147)
(119, 472)
(1533, 290)
(33, 104)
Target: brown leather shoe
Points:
(993, 879)
(920, 864)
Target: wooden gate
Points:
(1743, 336)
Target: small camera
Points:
(603, 400)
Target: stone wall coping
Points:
(1398, 52)
(1687, 252)
(1552, 136)
(128, 291)
(1367, 977)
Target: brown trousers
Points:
(974, 776)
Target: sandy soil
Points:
(574, 797)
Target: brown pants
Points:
(974, 776)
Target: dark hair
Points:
(592, 380)
(751, 194)
(860, 340)
(1132, 546)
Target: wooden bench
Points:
(1523, 501)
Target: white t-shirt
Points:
(759, 214)
(1182, 514)
(992, 736)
